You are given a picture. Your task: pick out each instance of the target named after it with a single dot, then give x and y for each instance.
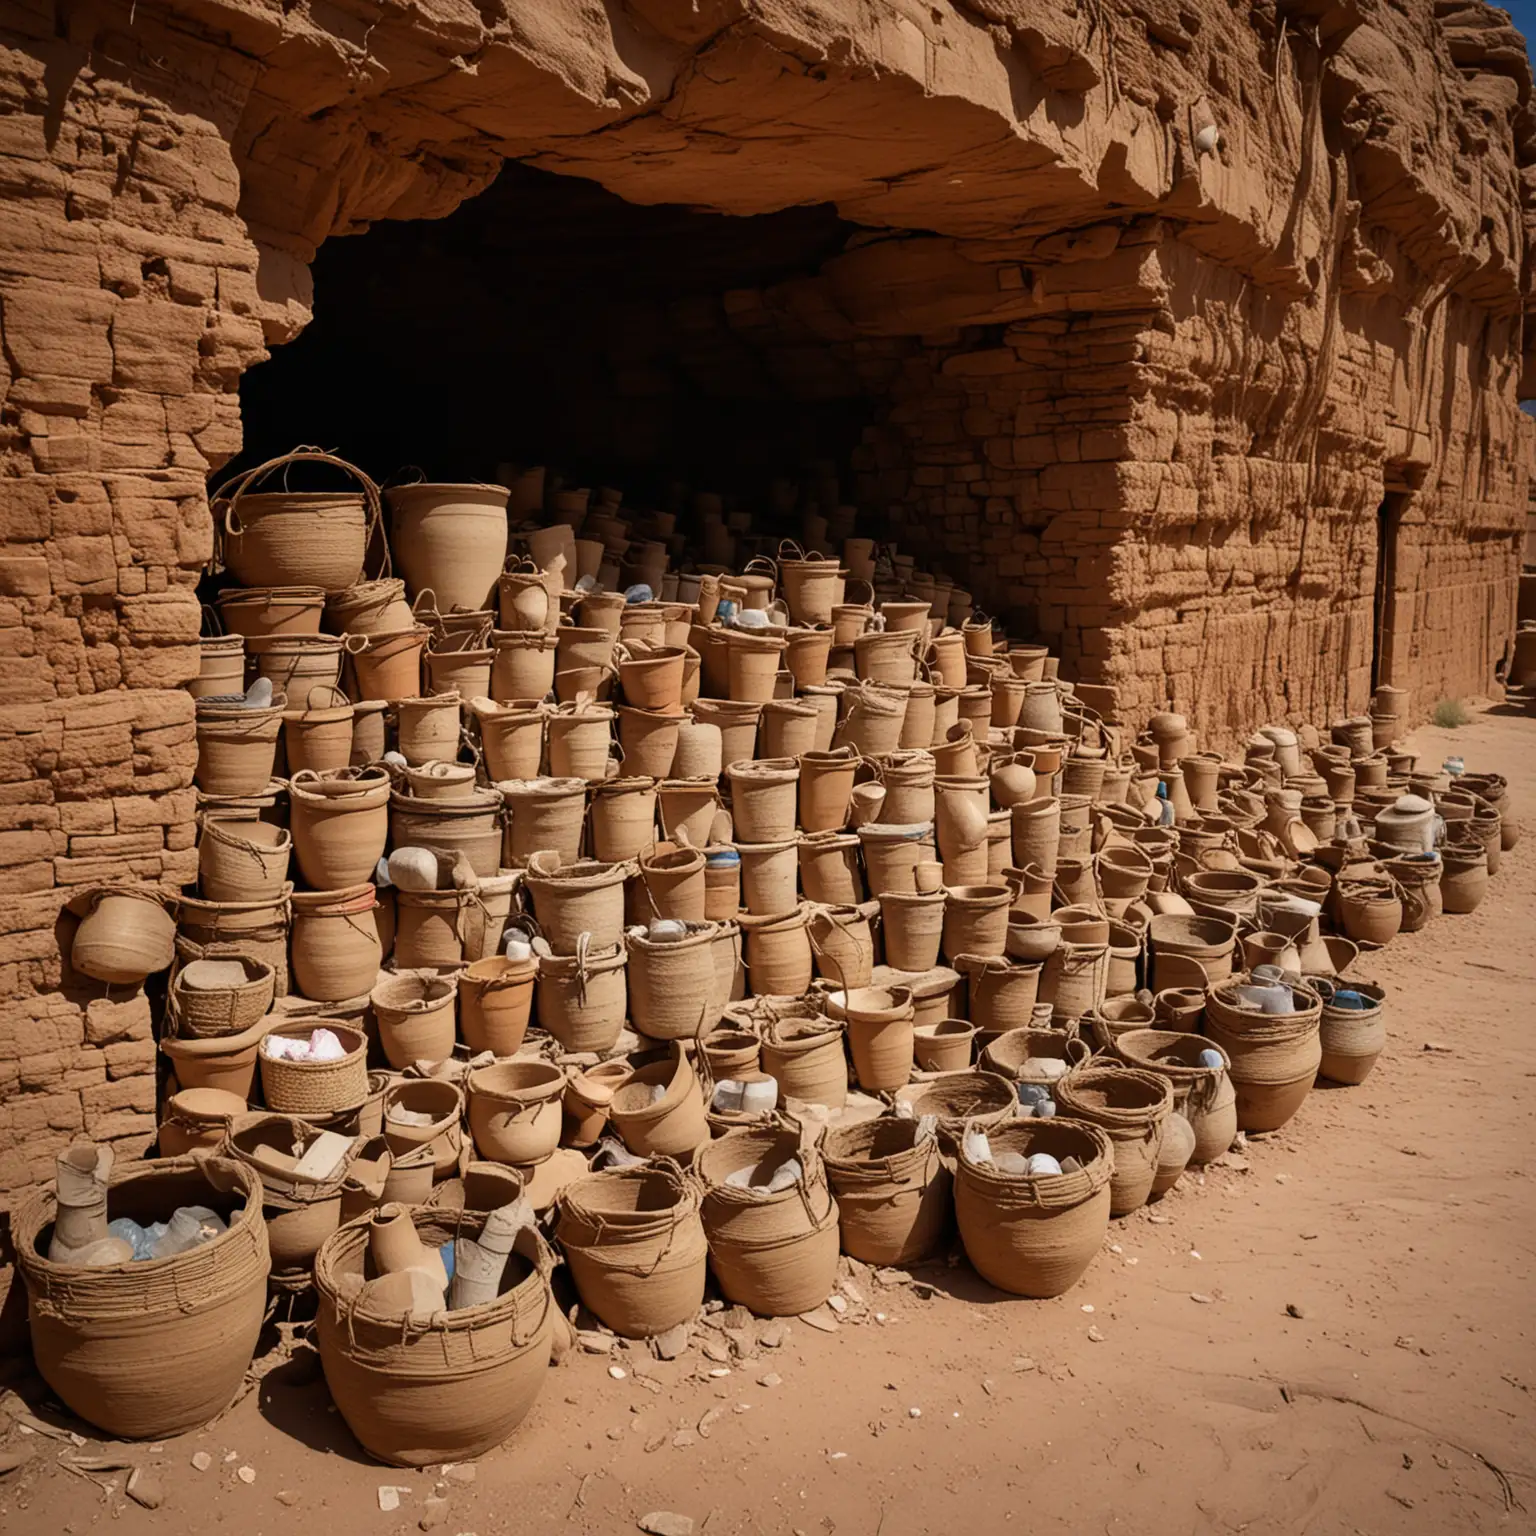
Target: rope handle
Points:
(228, 497)
(472, 639)
(432, 612)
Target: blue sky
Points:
(1524, 13)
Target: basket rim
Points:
(308, 1026)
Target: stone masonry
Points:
(1197, 287)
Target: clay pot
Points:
(752, 661)
(873, 723)
(415, 1012)
(319, 738)
(369, 608)
(763, 796)
(572, 901)
(428, 729)
(779, 952)
(635, 1247)
(470, 826)
(1035, 1236)
(542, 814)
(336, 950)
(439, 1140)
(914, 924)
(879, 1021)
(450, 540)
(670, 1125)
(1274, 1057)
(340, 823)
(125, 934)
(236, 748)
(221, 667)
(737, 723)
(523, 664)
(1037, 833)
(806, 655)
(805, 1057)
(197, 1118)
(1131, 1106)
(649, 741)
(976, 920)
(893, 1191)
(671, 984)
(944, 1046)
(582, 998)
(674, 884)
(514, 1109)
(579, 741)
(388, 666)
(495, 1000)
(825, 782)
(226, 1063)
(775, 1253)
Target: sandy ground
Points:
(1336, 1337)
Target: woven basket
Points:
(317, 1087)
(226, 1006)
(159, 1347)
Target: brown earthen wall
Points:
(1223, 360)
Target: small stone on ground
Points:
(663, 1522)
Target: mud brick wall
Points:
(126, 285)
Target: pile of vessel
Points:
(693, 908)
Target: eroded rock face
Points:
(1150, 382)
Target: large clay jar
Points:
(450, 540)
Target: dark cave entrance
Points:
(549, 321)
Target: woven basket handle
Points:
(228, 497)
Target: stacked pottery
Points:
(602, 848)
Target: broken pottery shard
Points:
(821, 1319)
(144, 1488)
(672, 1343)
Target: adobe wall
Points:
(1198, 371)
